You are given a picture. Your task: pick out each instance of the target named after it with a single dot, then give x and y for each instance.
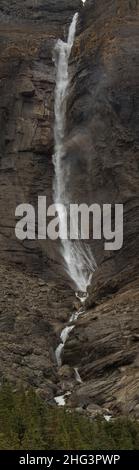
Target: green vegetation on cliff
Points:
(27, 423)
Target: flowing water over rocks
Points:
(64, 336)
(60, 349)
(66, 332)
(80, 263)
(77, 375)
(78, 259)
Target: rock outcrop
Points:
(102, 150)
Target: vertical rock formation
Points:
(102, 148)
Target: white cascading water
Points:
(64, 336)
(77, 375)
(79, 261)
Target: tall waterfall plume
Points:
(78, 258)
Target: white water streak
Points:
(65, 333)
(77, 375)
(64, 336)
(58, 354)
(79, 261)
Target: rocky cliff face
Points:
(102, 149)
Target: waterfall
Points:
(77, 375)
(78, 259)
(62, 54)
(64, 336)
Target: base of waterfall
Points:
(82, 296)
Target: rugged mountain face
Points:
(102, 149)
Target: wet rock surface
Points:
(102, 152)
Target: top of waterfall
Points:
(72, 30)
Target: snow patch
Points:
(107, 418)
(60, 400)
